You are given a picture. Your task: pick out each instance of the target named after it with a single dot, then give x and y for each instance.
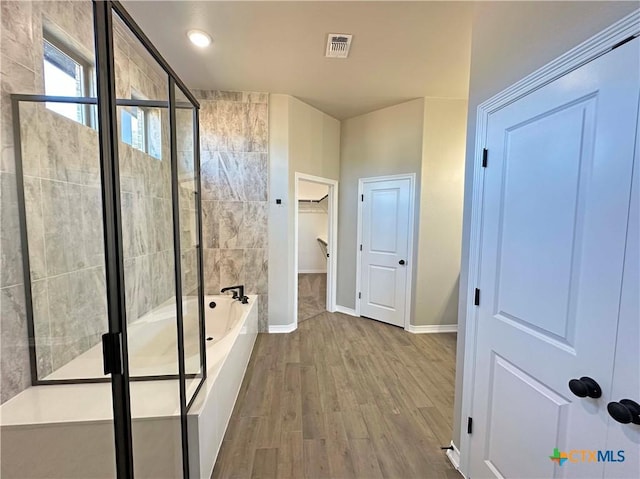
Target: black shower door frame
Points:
(114, 258)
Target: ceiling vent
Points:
(338, 45)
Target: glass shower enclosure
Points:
(110, 221)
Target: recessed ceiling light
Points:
(199, 38)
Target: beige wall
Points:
(502, 31)
(302, 139)
(440, 225)
(383, 142)
(314, 142)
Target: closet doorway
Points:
(315, 245)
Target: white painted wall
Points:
(440, 224)
(280, 262)
(426, 137)
(311, 225)
(305, 140)
(313, 222)
(502, 32)
(308, 190)
(383, 142)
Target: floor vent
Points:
(338, 45)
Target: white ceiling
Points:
(400, 50)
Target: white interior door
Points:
(554, 222)
(626, 378)
(385, 248)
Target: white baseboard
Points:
(454, 457)
(312, 271)
(343, 310)
(282, 328)
(432, 328)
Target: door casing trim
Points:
(332, 267)
(589, 50)
(412, 220)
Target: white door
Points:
(626, 379)
(385, 246)
(554, 222)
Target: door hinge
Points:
(112, 353)
(626, 40)
(485, 157)
(360, 247)
(359, 295)
(361, 197)
(469, 425)
(476, 297)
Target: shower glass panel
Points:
(54, 313)
(103, 212)
(144, 151)
(188, 187)
(63, 210)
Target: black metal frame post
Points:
(173, 81)
(114, 256)
(24, 237)
(199, 264)
(175, 200)
(199, 250)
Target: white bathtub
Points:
(66, 431)
(152, 345)
(228, 354)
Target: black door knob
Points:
(401, 261)
(625, 411)
(585, 386)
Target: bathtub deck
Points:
(343, 397)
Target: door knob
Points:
(401, 261)
(585, 386)
(625, 411)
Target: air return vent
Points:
(338, 45)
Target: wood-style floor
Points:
(343, 397)
(312, 295)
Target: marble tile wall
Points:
(146, 200)
(187, 200)
(234, 163)
(147, 230)
(64, 224)
(21, 71)
(62, 192)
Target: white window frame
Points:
(87, 86)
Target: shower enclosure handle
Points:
(112, 353)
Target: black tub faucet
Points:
(238, 293)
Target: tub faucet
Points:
(238, 293)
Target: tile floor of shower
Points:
(312, 295)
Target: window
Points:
(66, 75)
(133, 127)
(141, 128)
